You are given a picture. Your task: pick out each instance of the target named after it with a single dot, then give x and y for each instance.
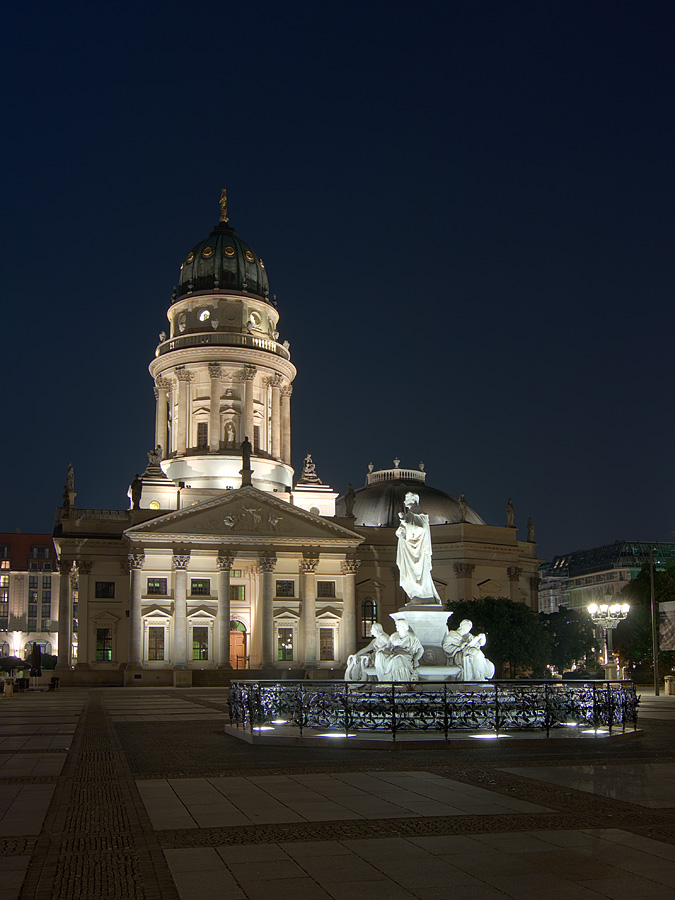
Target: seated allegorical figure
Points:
(455, 641)
(400, 660)
(364, 658)
(475, 667)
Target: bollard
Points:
(9, 689)
(669, 685)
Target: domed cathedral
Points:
(219, 562)
(221, 375)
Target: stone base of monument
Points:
(429, 622)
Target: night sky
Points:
(466, 214)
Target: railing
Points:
(222, 339)
(396, 475)
(392, 707)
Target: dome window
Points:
(229, 251)
(204, 315)
(207, 251)
(249, 256)
(262, 264)
(190, 257)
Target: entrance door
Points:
(237, 645)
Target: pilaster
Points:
(267, 565)
(180, 562)
(224, 566)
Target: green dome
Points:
(223, 262)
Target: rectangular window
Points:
(32, 596)
(33, 566)
(39, 553)
(4, 623)
(105, 590)
(155, 643)
(103, 644)
(32, 581)
(256, 438)
(46, 596)
(157, 586)
(4, 551)
(235, 573)
(285, 589)
(325, 589)
(4, 581)
(32, 609)
(44, 624)
(4, 609)
(200, 642)
(47, 567)
(4, 595)
(200, 587)
(4, 564)
(285, 645)
(32, 625)
(202, 434)
(237, 593)
(46, 582)
(326, 643)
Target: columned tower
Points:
(221, 374)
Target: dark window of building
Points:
(47, 582)
(237, 592)
(46, 596)
(285, 645)
(33, 566)
(200, 587)
(32, 581)
(368, 616)
(4, 551)
(4, 648)
(325, 589)
(47, 567)
(103, 643)
(4, 609)
(39, 553)
(200, 642)
(32, 625)
(44, 624)
(32, 596)
(32, 609)
(105, 590)
(156, 643)
(326, 643)
(157, 586)
(202, 434)
(256, 438)
(285, 589)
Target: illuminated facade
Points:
(220, 563)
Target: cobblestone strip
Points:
(97, 841)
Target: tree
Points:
(633, 636)
(571, 634)
(517, 642)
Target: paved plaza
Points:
(138, 793)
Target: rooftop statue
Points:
(413, 556)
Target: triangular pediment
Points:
(245, 516)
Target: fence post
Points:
(393, 711)
(547, 710)
(445, 708)
(496, 685)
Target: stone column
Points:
(215, 374)
(180, 565)
(247, 423)
(84, 567)
(184, 378)
(162, 388)
(267, 565)
(535, 581)
(349, 569)
(135, 561)
(275, 447)
(286, 424)
(65, 615)
(308, 603)
(463, 573)
(514, 573)
(224, 564)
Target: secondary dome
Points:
(381, 500)
(223, 262)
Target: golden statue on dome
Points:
(223, 206)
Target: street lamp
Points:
(608, 617)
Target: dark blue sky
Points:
(465, 210)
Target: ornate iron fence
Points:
(390, 707)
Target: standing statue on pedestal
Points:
(510, 514)
(413, 556)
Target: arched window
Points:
(45, 647)
(368, 616)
